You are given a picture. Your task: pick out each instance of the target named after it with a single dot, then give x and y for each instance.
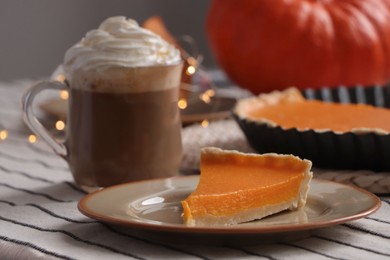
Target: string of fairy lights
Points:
(4, 134)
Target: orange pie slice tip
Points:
(236, 187)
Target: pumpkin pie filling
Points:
(289, 109)
(236, 187)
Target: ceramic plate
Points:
(152, 209)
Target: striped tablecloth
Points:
(39, 217)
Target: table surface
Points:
(39, 218)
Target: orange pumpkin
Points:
(272, 44)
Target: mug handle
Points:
(33, 123)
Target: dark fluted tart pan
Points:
(368, 150)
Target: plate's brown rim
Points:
(225, 230)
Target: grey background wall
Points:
(34, 34)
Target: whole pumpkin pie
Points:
(289, 109)
(235, 187)
(334, 131)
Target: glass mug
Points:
(123, 124)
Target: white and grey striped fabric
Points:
(39, 217)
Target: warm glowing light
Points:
(3, 134)
(60, 125)
(210, 92)
(204, 123)
(192, 61)
(190, 70)
(182, 104)
(60, 77)
(32, 138)
(206, 98)
(64, 94)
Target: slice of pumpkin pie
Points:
(235, 187)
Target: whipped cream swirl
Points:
(119, 42)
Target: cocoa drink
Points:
(123, 122)
(116, 134)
